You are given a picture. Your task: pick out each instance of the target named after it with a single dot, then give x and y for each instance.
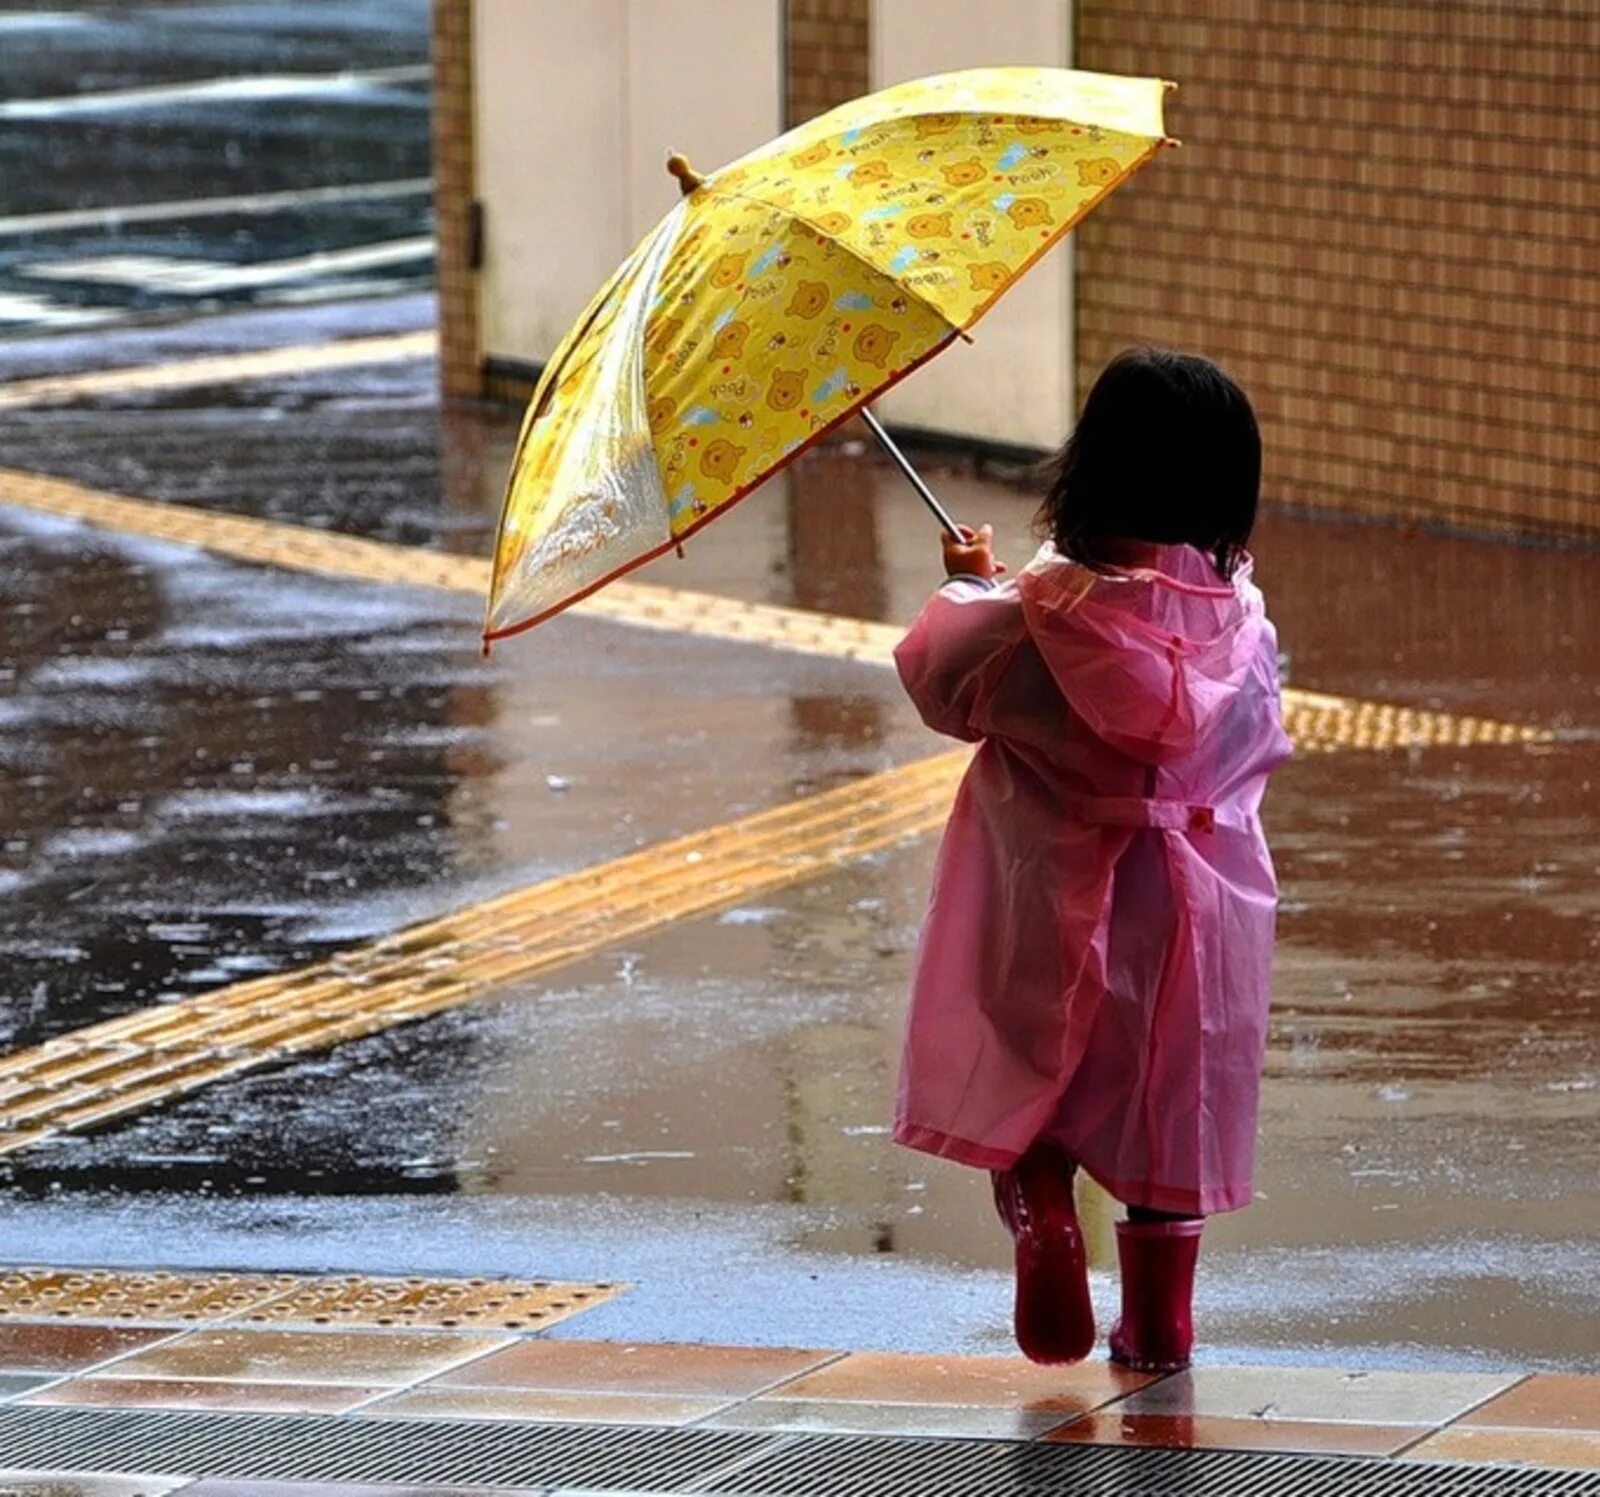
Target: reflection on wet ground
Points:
(190, 735)
(212, 770)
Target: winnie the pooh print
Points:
(1030, 213)
(730, 341)
(727, 270)
(810, 299)
(787, 390)
(1101, 172)
(964, 173)
(873, 344)
(720, 460)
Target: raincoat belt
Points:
(1170, 815)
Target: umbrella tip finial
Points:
(688, 177)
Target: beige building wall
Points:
(576, 108)
(1014, 383)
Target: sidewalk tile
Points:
(72, 1484)
(170, 1393)
(69, 1348)
(1546, 1401)
(967, 1382)
(377, 1358)
(856, 1417)
(1179, 1432)
(1318, 1394)
(618, 1367)
(1577, 1450)
(437, 1402)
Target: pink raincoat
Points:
(1095, 964)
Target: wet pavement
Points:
(210, 771)
(216, 770)
(139, 139)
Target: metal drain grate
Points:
(853, 1466)
(267, 1447)
(718, 1463)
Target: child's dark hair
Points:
(1166, 450)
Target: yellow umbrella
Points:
(783, 293)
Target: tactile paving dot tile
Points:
(102, 1294)
(291, 1299)
(438, 1303)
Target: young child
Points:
(1092, 984)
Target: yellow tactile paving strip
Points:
(122, 1066)
(301, 549)
(1321, 724)
(181, 374)
(113, 1296)
(1316, 721)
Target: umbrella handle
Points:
(914, 478)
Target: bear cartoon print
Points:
(964, 173)
(727, 270)
(873, 344)
(1101, 172)
(991, 275)
(730, 342)
(810, 299)
(720, 460)
(787, 390)
(1030, 213)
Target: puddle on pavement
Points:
(211, 770)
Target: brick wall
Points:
(828, 59)
(1384, 224)
(460, 345)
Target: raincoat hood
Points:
(1149, 657)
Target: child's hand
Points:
(972, 555)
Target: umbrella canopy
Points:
(783, 293)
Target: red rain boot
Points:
(1054, 1316)
(1156, 1331)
